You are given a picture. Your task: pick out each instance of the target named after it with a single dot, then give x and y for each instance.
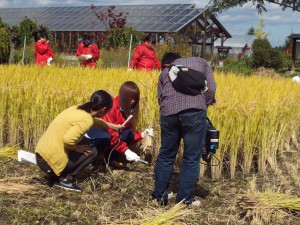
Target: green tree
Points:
(259, 32)
(25, 29)
(120, 37)
(223, 5)
(4, 41)
(251, 31)
(265, 56)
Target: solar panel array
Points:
(146, 18)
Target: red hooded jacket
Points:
(144, 58)
(91, 49)
(42, 53)
(116, 116)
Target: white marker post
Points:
(129, 51)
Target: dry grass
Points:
(17, 185)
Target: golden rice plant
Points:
(256, 116)
(9, 152)
(268, 199)
(178, 211)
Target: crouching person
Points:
(62, 151)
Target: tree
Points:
(4, 42)
(111, 18)
(223, 5)
(251, 31)
(265, 56)
(259, 32)
(120, 37)
(25, 29)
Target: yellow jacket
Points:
(63, 133)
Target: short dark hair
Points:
(168, 58)
(86, 37)
(150, 38)
(44, 35)
(98, 100)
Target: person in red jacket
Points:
(144, 57)
(124, 105)
(87, 52)
(43, 52)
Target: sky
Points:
(238, 20)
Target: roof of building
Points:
(237, 41)
(294, 36)
(146, 18)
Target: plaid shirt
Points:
(172, 102)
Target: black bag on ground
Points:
(187, 81)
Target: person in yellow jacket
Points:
(62, 152)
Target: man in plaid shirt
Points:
(182, 116)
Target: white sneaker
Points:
(196, 203)
(170, 194)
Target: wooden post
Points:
(62, 41)
(70, 41)
(294, 55)
(203, 50)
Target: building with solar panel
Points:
(68, 24)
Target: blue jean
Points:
(101, 139)
(189, 125)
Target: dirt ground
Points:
(122, 196)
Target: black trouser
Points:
(76, 163)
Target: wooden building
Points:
(68, 24)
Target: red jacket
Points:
(91, 49)
(115, 116)
(144, 58)
(42, 53)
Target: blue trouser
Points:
(190, 125)
(101, 140)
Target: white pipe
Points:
(129, 51)
(23, 55)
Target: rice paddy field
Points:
(256, 182)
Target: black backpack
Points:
(187, 81)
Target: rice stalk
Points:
(9, 152)
(179, 210)
(256, 116)
(17, 185)
(270, 200)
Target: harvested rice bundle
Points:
(270, 200)
(9, 152)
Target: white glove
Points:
(88, 57)
(49, 61)
(148, 131)
(131, 156)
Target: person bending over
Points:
(181, 117)
(59, 152)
